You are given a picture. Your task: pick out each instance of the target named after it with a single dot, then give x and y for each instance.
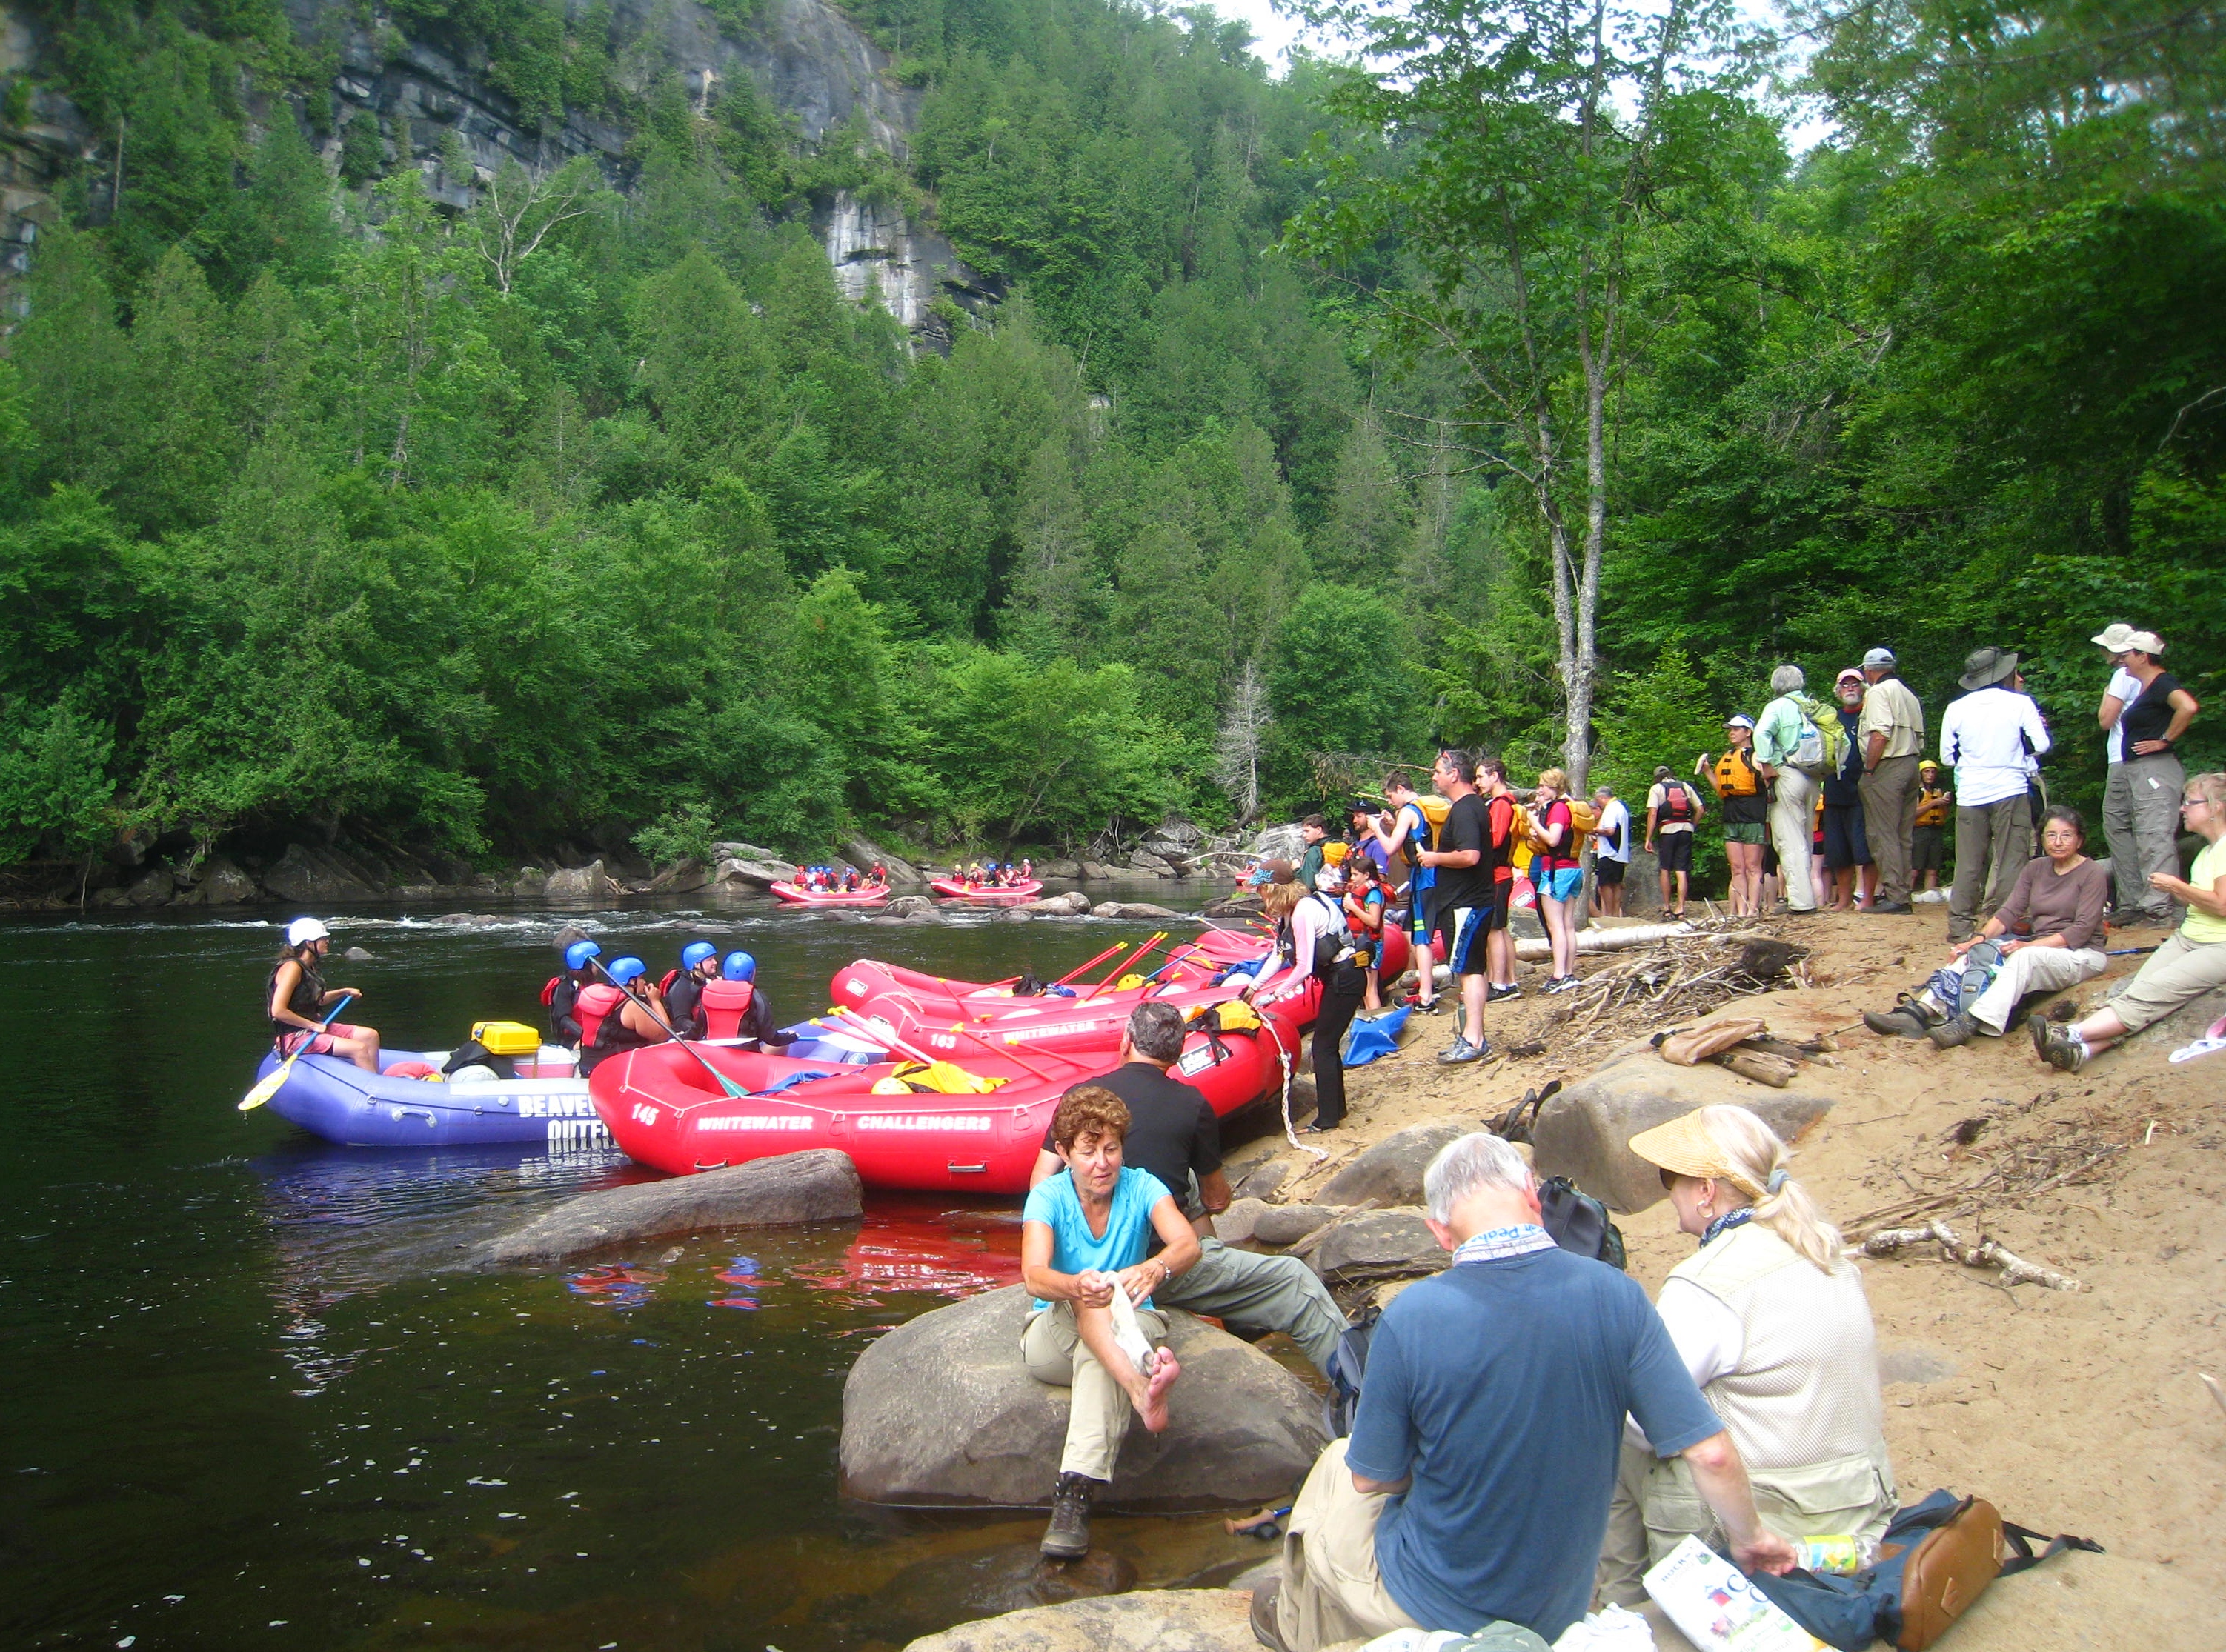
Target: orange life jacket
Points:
(725, 1003)
(1736, 776)
(1932, 809)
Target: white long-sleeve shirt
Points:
(1991, 737)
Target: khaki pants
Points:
(1992, 843)
(1889, 821)
(1331, 1589)
(1792, 816)
(2029, 970)
(1657, 1504)
(2178, 972)
(1098, 1408)
(1260, 1293)
(2140, 819)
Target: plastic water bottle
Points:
(1842, 1555)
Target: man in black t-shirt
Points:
(1174, 1134)
(1461, 904)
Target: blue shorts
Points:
(1419, 915)
(1463, 928)
(1560, 884)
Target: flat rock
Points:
(1264, 1179)
(1150, 1620)
(2187, 1023)
(1133, 909)
(1286, 1225)
(1585, 1132)
(588, 882)
(1235, 1226)
(941, 1411)
(1074, 903)
(761, 874)
(820, 1185)
(928, 1594)
(1390, 1173)
(1378, 1240)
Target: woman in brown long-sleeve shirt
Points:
(2058, 903)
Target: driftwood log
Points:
(1760, 1065)
(1985, 1253)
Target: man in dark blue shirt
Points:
(1473, 1493)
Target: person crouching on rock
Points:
(299, 1001)
(1083, 1237)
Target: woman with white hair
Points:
(1790, 751)
(1769, 1318)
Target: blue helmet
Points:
(695, 952)
(740, 966)
(577, 954)
(627, 969)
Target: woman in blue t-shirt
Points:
(1084, 1236)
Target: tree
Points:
(1331, 656)
(1531, 148)
(1238, 746)
(518, 209)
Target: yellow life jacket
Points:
(934, 1078)
(1931, 809)
(1736, 775)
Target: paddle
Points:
(268, 1087)
(1008, 1049)
(734, 1090)
(1113, 974)
(1092, 964)
(889, 1040)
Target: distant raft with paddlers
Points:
(403, 1104)
(959, 889)
(974, 1124)
(797, 895)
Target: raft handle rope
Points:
(1290, 1131)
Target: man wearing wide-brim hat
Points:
(1993, 737)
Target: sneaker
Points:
(1067, 1537)
(1903, 1020)
(1953, 1034)
(2062, 1049)
(1501, 995)
(1461, 1052)
(1435, 1007)
(1562, 984)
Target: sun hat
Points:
(1985, 667)
(302, 930)
(1739, 719)
(2115, 639)
(1684, 1148)
(1880, 657)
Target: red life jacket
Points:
(596, 1004)
(548, 992)
(725, 1004)
(664, 986)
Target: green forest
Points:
(1489, 387)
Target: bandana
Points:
(1727, 1222)
(1497, 1244)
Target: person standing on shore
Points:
(1611, 851)
(1790, 749)
(1890, 733)
(1462, 908)
(1405, 831)
(1746, 800)
(1928, 839)
(1990, 738)
(2140, 805)
(1673, 809)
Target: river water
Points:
(246, 1400)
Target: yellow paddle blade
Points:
(1128, 984)
(265, 1090)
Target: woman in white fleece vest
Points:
(1770, 1319)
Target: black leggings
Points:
(1342, 995)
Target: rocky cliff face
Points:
(809, 61)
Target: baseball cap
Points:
(302, 930)
(2116, 638)
(1850, 674)
(2146, 641)
(1879, 657)
(1739, 719)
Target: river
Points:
(247, 1400)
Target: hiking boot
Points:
(1263, 1614)
(2062, 1049)
(1461, 1052)
(1067, 1537)
(1953, 1034)
(1889, 906)
(1501, 995)
(1904, 1021)
(2039, 1026)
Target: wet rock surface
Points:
(821, 1186)
(927, 1596)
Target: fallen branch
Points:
(1985, 1253)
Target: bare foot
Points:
(1153, 1407)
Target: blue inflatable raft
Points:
(331, 1096)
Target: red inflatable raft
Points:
(798, 896)
(1024, 890)
(665, 1111)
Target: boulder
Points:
(530, 884)
(1584, 1132)
(221, 884)
(1390, 1173)
(359, 955)
(2188, 1023)
(737, 851)
(1133, 909)
(1074, 903)
(820, 1185)
(761, 874)
(1183, 834)
(1286, 1225)
(1279, 843)
(1263, 1178)
(1157, 865)
(903, 874)
(912, 909)
(153, 887)
(1058, 868)
(941, 1411)
(1377, 1242)
(468, 920)
(1235, 1226)
(684, 876)
(315, 878)
(588, 882)
(1149, 1620)
(569, 934)
(1093, 869)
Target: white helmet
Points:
(302, 930)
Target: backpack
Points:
(1584, 820)
(1578, 1222)
(1330, 944)
(1348, 1365)
(1823, 740)
(1676, 803)
(1936, 1559)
